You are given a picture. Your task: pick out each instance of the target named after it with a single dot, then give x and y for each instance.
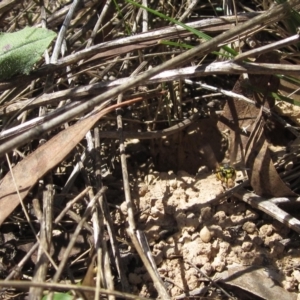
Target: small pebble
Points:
(205, 235)
(249, 227)
(246, 246)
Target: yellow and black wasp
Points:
(227, 174)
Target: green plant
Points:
(19, 51)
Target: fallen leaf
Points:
(37, 164)
(262, 282)
(252, 150)
(262, 174)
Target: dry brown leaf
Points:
(240, 115)
(37, 164)
(88, 279)
(262, 174)
(262, 282)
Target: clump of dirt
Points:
(185, 227)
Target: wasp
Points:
(226, 174)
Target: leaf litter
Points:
(203, 240)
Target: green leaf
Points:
(198, 33)
(60, 296)
(20, 50)
(174, 44)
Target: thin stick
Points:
(277, 13)
(27, 284)
(267, 48)
(63, 31)
(247, 100)
(35, 246)
(224, 67)
(75, 235)
(41, 266)
(210, 280)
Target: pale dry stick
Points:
(44, 25)
(98, 226)
(100, 244)
(132, 226)
(78, 258)
(38, 120)
(46, 226)
(224, 67)
(174, 31)
(227, 7)
(70, 181)
(158, 283)
(211, 280)
(145, 21)
(98, 23)
(113, 242)
(57, 286)
(196, 292)
(188, 10)
(145, 25)
(6, 5)
(41, 266)
(75, 217)
(247, 100)
(136, 20)
(68, 250)
(99, 252)
(275, 14)
(25, 10)
(217, 68)
(26, 104)
(89, 139)
(269, 206)
(57, 17)
(97, 158)
(105, 71)
(76, 170)
(294, 92)
(70, 204)
(173, 282)
(147, 251)
(60, 45)
(69, 75)
(35, 246)
(95, 31)
(36, 202)
(124, 169)
(4, 96)
(26, 213)
(80, 32)
(164, 76)
(267, 48)
(214, 68)
(63, 31)
(107, 273)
